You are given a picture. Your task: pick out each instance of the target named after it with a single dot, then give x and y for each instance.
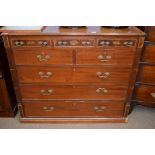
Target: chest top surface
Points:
(57, 30)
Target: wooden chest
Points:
(64, 76)
(145, 85)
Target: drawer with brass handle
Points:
(129, 43)
(145, 94)
(83, 74)
(31, 43)
(103, 57)
(50, 92)
(43, 57)
(73, 108)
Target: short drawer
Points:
(42, 57)
(73, 109)
(149, 54)
(103, 57)
(50, 92)
(145, 93)
(147, 74)
(30, 42)
(74, 74)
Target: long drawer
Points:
(145, 93)
(50, 92)
(74, 74)
(73, 109)
(147, 74)
(149, 54)
(43, 57)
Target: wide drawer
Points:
(103, 57)
(74, 74)
(73, 109)
(44, 92)
(145, 93)
(43, 57)
(147, 74)
(149, 54)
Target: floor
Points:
(140, 118)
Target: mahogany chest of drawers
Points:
(64, 76)
(144, 93)
(8, 104)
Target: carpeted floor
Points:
(140, 118)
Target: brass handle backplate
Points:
(19, 43)
(103, 75)
(104, 57)
(101, 90)
(46, 92)
(45, 75)
(128, 43)
(43, 57)
(153, 95)
(99, 108)
(48, 108)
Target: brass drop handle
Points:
(43, 43)
(19, 43)
(99, 108)
(128, 43)
(104, 57)
(153, 95)
(48, 108)
(43, 57)
(101, 90)
(45, 75)
(103, 75)
(46, 93)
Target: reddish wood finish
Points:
(73, 92)
(144, 95)
(118, 57)
(74, 74)
(30, 57)
(74, 87)
(149, 54)
(73, 109)
(147, 74)
(150, 31)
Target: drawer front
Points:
(30, 42)
(148, 74)
(43, 57)
(121, 42)
(145, 93)
(102, 57)
(73, 109)
(73, 92)
(149, 53)
(150, 30)
(74, 74)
